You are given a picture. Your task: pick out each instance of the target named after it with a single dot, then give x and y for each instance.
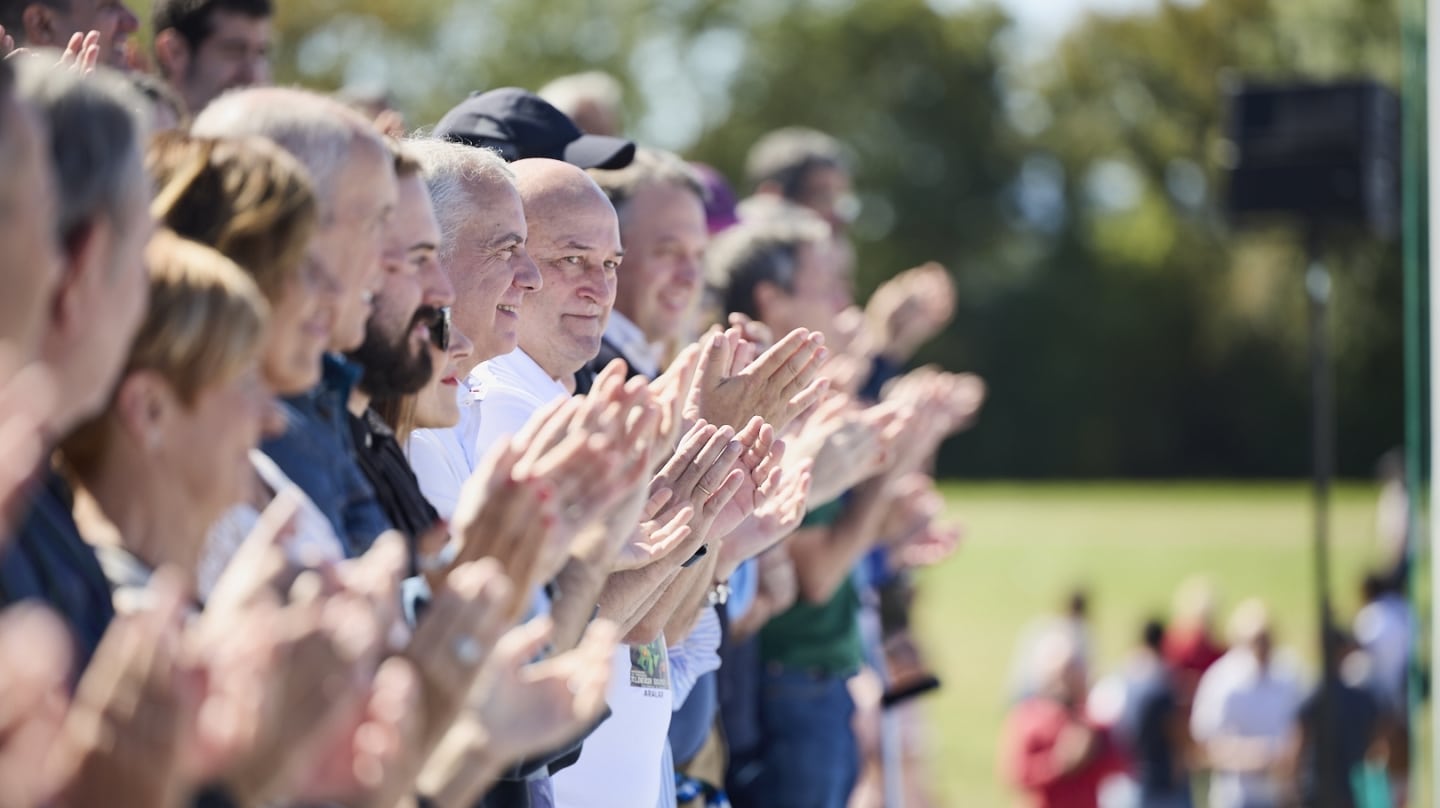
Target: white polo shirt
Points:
(620, 764)
(497, 400)
(1236, 697)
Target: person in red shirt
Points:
(1050, 750)
(1190, 647)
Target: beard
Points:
(392, 365)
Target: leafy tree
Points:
(1075, 194)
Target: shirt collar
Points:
(340, 374)
(516, 368)
(122, 568)
(630, 341)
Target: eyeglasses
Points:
(440, 328)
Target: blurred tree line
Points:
(1075, 193)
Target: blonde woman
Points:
(172, 450)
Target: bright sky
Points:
(1047, 19)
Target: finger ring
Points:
(707, 492)
(440, 561)
(467, 650)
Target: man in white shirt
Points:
(570, 229)
(574, 238)
(1245, 709)
(482, 250)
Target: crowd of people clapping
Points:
(509, 464)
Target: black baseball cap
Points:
(520, 124)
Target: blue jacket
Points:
(317, 452)
(49, 562)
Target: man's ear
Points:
(41, 27)
(81, 280)
(172, 53)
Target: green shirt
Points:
(821, 637)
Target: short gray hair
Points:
(751, 253)
(650, 167)
(319, 131)
(97, 125)
(455, 174)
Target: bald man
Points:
(574, 240)
(573, 236)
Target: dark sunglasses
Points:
(440, 329)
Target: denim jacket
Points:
(317, 452)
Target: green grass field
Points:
(1131, 545)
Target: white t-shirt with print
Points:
(619, 764)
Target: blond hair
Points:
(203, 326)
(246, 197)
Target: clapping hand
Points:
(777, 494)
(507, 517)
(35, 658)
(701, 475)
(130, 725)
(654, 540)
(848, 444)
(926, 418)
(910, 309)
(777, 385)
(455, 636)
(82, 53)
(533, 706)
(959, 395)
(625, 416)
(912, 526)
(519, 708)
(286, 687)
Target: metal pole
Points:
(1432, 110)
(1322, 445)
(1416, 242)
